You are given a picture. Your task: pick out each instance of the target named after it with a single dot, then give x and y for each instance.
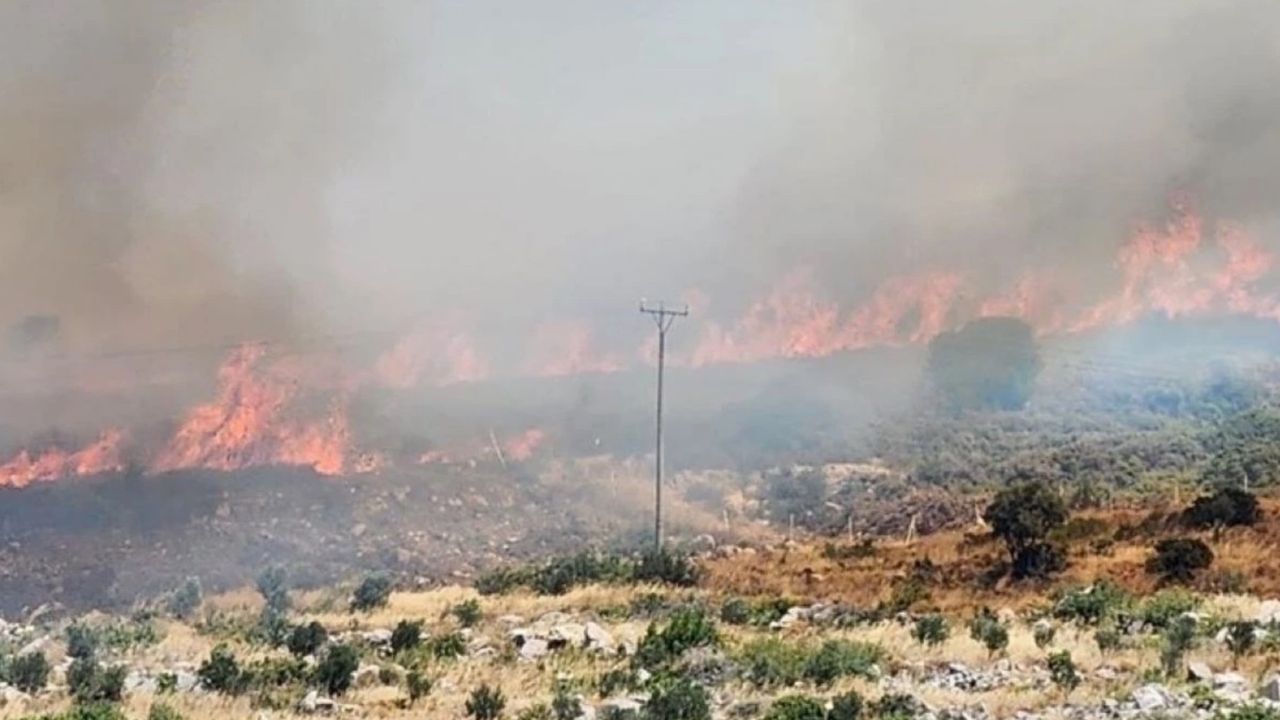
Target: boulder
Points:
(1199, 672)
(626, 707)
(1229, 679)
(367, 675)
(1151, 697)
(313, 703)
(533, 648)
(598, 639)
(1268, 612)
(1270, 688)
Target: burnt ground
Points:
(109, 541)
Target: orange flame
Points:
(246, 425)
(103, 455)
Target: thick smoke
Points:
(188, 173)
(999, 136)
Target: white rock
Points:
(1229, 679)
(1199, 672)
(1268, 611)
(533, 648)
(1151, 697)
(597, 638)
(366, 676)
(313, 703)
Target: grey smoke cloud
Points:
(186, 172)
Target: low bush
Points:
(1161, 608)
(161, 711)
(486, 703)
(417, 685)
(896, 706)
(846, 706)
(796, 707)
(770, 662)
(406, 635)
(333, 672)
(666, 567)
(931, 630)
(687, 628)
(184, 600)
(1062, 670)
(29, 673)
(221, 673)
(558, 575)
(988, 630)
(1092, 604)
(836, 659)
(467, 613)
(677, 698)
(90, 682)
(447, 646)
(306, 639)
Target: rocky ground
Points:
(590, 645)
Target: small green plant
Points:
(1092, 604)
(29, 673)
(931, 630)
(836, 659)
(846, 706)
(796, 707)
(677, 698)
(467, 612)
(1043, 634)
(895, 706)
(373, 592)
(486, 703)
(770, 662)
(1161, 608)
(735, 611)
(166, 683)
(417, 685)
(537, 711)
(307, 639)
(161, 711)
(1062, 670)
(333, 672)
(406, 635)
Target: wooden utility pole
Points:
(664, 319)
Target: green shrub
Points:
(166, 683)
(796, 707)
(221, 672)
(467, 613)
(564, 704)
(184, 600)
(688, 628)
(931, 630)
(735, 611)
(843, 658)
(91, 683)
(770, 662)
(1092, 604)
(677, 699)
(486, 703)
(161, 711)
(373, 592)
(417, 685)
(537, 711)
(664, 566)
(561, 574)
(333, 672)
(1062, 670)
(447, 646)
(406, 635)
(82, 641)
(1241, 638)
(1107, 639)
(1178, 560)
(989, 631)
(503, 580)
(306, 639)
(1175, 641)
(896, 706)
(846, 706)
(29, 673)
(1163, 607)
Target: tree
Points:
(333, 672)
(1224, 507)
(1022, 516)
(374, 592)
(1179, 559)
(991, 363)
